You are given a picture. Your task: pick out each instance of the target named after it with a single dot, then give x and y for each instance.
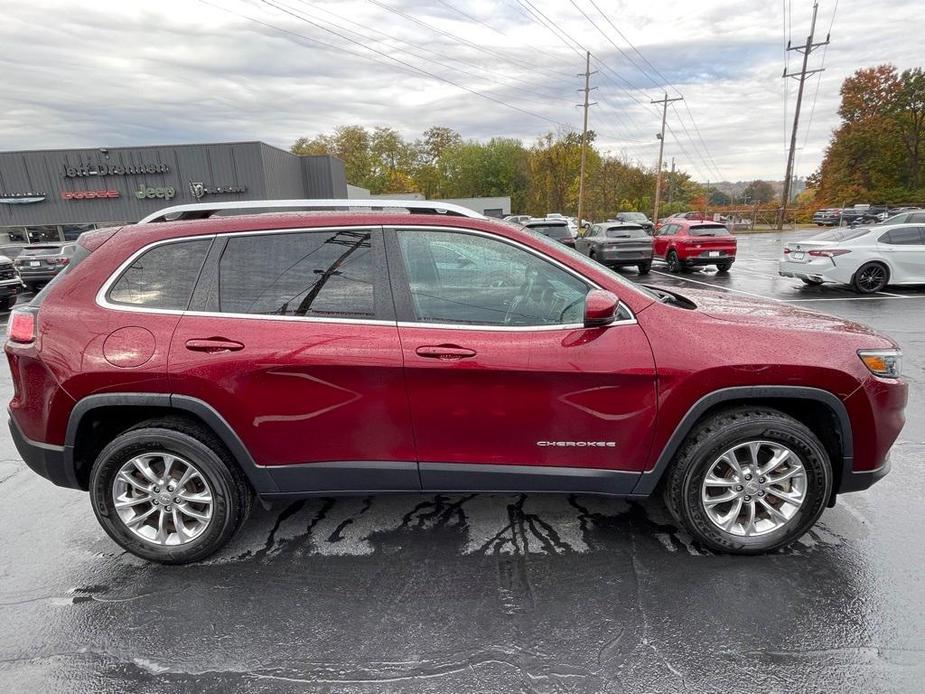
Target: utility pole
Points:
(584, 136)
(671, 183)
(661, 151)
(801, 76)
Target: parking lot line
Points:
(715, 286)
(887, 297)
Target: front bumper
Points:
(9, 288)
(51, 462)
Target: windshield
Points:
(634, 216)
(557, 230)
(626, 232)
(709, 230)
(585, 263)
(841, 234)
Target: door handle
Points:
(213, 345)
(445, 352)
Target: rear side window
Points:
(910, 236)
(162, 277)
(314, 273)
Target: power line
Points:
(661, 151)
(398, 61)
(812, 109)
(469, 17)
(412, 48)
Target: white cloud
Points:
(123, 73)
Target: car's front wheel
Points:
(749, 480)
(167, 491)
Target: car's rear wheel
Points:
(749, 481)
(168, 492)
(644, 267)
(674, 263)
(724, 267)
(870, 277)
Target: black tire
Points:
(7, 303)
(811, 282)
(717, 435)
(870, 278)
(674, 263)
(644, 267)
(231, 493)
(724, 267)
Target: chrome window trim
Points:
(522, 246)
(102, 299)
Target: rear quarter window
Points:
(162, 277)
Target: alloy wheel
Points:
(163, 499)
(754, 488)
(872, 278)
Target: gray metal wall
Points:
(265, 171)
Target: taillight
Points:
(828, 252)
(21, 327)
(60, 260)
(786, 250)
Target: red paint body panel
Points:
(301, 391)
(526, 387)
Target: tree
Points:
(875, 154)
(759, 192)
(718, 197)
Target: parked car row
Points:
(682, 243)
(866, 215)
(30, 266)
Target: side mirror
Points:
(600, 308)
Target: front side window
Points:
(313, 273)
(162, 277)
(500, 285)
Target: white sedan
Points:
(867, 258)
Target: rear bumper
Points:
(856, 481)
(624, 257)
(51, 462)
(702, 260)
(817, 270)
(38, 276)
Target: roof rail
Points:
(203, 210)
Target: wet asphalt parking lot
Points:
(485, 593)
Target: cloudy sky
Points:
(126, 72)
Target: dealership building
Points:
(54, 195)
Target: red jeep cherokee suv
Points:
(684, 244)
(177, 369)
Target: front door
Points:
(291, 337)
(507, 388)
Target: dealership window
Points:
(315, 273)
(162, 277)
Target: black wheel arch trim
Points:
(650, 479)
(259, 476)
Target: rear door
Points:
(291, 337)
(503, 378)
(663, 239)
(905, 249)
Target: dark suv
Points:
(177, 369)
(40, 263)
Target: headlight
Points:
(886, 363)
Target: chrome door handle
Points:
(445, 352)
(213, 345)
